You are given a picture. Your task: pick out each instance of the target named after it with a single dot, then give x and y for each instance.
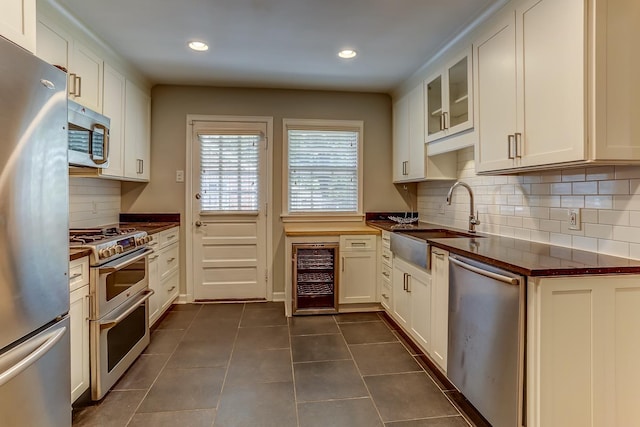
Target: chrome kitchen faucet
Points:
(473, 219)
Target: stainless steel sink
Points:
(413, 246)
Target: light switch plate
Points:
(179, 176)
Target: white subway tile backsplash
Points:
(560, 239)
(585, 187)
(589, 215)
(598, 202)
(600, 173)
(585, 243)
(627, 172)
(612, 247)
(598, 230)
(572, 202)
(533, 206)
(571, 175)
(93, 202)
(620, 186)
(613, 217)
(561, 188)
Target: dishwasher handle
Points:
(490, 274)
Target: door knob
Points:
(198, 196)
(198, 223)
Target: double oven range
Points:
(118, 308)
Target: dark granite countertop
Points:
(526, 257)
(150, 227)
(150, 222)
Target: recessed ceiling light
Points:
(198, 46)
(347, 53)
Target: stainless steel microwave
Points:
(88, 137)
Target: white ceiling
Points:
(278, 43)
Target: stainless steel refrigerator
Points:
(34, 254)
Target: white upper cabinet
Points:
(18, 22)
(113, 106)
(410, 163)
(85, 77)
(448, 99)
(137, 125)
(554, 85)
(84, 67)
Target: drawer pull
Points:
(173, 236)
(170, 260)
(385, 274)
(75, 276)
(172, 288)
(153, 258)
(153, 243)
(385, 256)
(358, 244)
(385, 296)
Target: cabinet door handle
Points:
(342, 263)
(438, 255)
(444, 121)
(510, 144)
(404, 282)
(409, 283)
(79, 86)
(72, 79)
(518, 144)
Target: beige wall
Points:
(171, 104)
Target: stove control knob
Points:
(112, 250)
(103, 253)
(147, 239)
(119, 249)
(139, 241)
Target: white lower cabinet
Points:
(583, 347)
(420, 304)
(358, 274)
(439, 306)
(412, 301)
(79, 326)
(385, 264)
(164, 272)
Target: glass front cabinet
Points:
(448, 99)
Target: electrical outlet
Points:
(179, 176)
(574, 219)
(441, 209)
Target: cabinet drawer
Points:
(386, 272)
(170, 288)
(387, 257)
(386, 294)
(168, 237)
(361, 243)
(78, 273)
(386, 240)
(168, 260)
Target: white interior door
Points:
(229, 210)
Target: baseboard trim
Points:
(277, 296)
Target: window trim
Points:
(317, 124)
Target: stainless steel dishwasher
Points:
(486, 338)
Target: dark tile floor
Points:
(237, 365)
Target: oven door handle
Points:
(110, 323)
(113, 268)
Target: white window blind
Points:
(229, 173)
(323, 171)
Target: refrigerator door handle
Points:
(41, 348)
